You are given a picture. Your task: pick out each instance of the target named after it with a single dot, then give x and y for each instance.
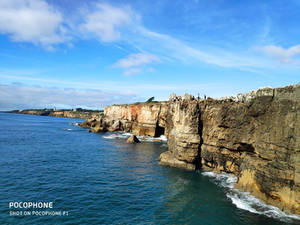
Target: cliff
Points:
(140, 119)
(254, 136)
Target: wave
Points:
(67, 129)
(246, 201)
(162, 138)
(125, 135)
(118, 135)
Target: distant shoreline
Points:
(81, 113)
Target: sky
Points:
(93, 53)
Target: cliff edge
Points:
(255, 136)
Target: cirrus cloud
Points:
(135, 62)
(281, 54)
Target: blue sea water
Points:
(100, 180)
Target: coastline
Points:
(254, 136)
(82, 114)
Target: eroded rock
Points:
(140, 119)
(133, 139)
(99, 129)
(255, 136)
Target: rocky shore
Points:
(83, 114)
(255, 136)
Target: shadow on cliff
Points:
(198, 164)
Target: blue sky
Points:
(71, 53)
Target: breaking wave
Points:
(118, 135)
(246, 201)
(73, 123)
(67, 129)
(124, 135)
(151, 139)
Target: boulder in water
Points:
(133, 139)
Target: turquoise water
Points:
(105, 181)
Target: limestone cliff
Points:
(255, 136)
(140, 119)
(184, 137)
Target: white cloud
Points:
(281, 54)
(134, 62)
(138, 59)
(105, 21)
(38, 22)
(32, 21)
(19, 96)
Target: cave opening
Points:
(159, 131)
(244, 147)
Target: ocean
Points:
(100, 179)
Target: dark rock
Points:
(133, 139)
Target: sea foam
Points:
(246, 201)
(125, 135)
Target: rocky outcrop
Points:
(140, 119)
(133, 139)
(255, 136)
(96, 125)
(143, 119)
(184, 138)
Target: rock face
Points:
(184, 139)
(147, 119)
(255, 136)
(140, 119)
